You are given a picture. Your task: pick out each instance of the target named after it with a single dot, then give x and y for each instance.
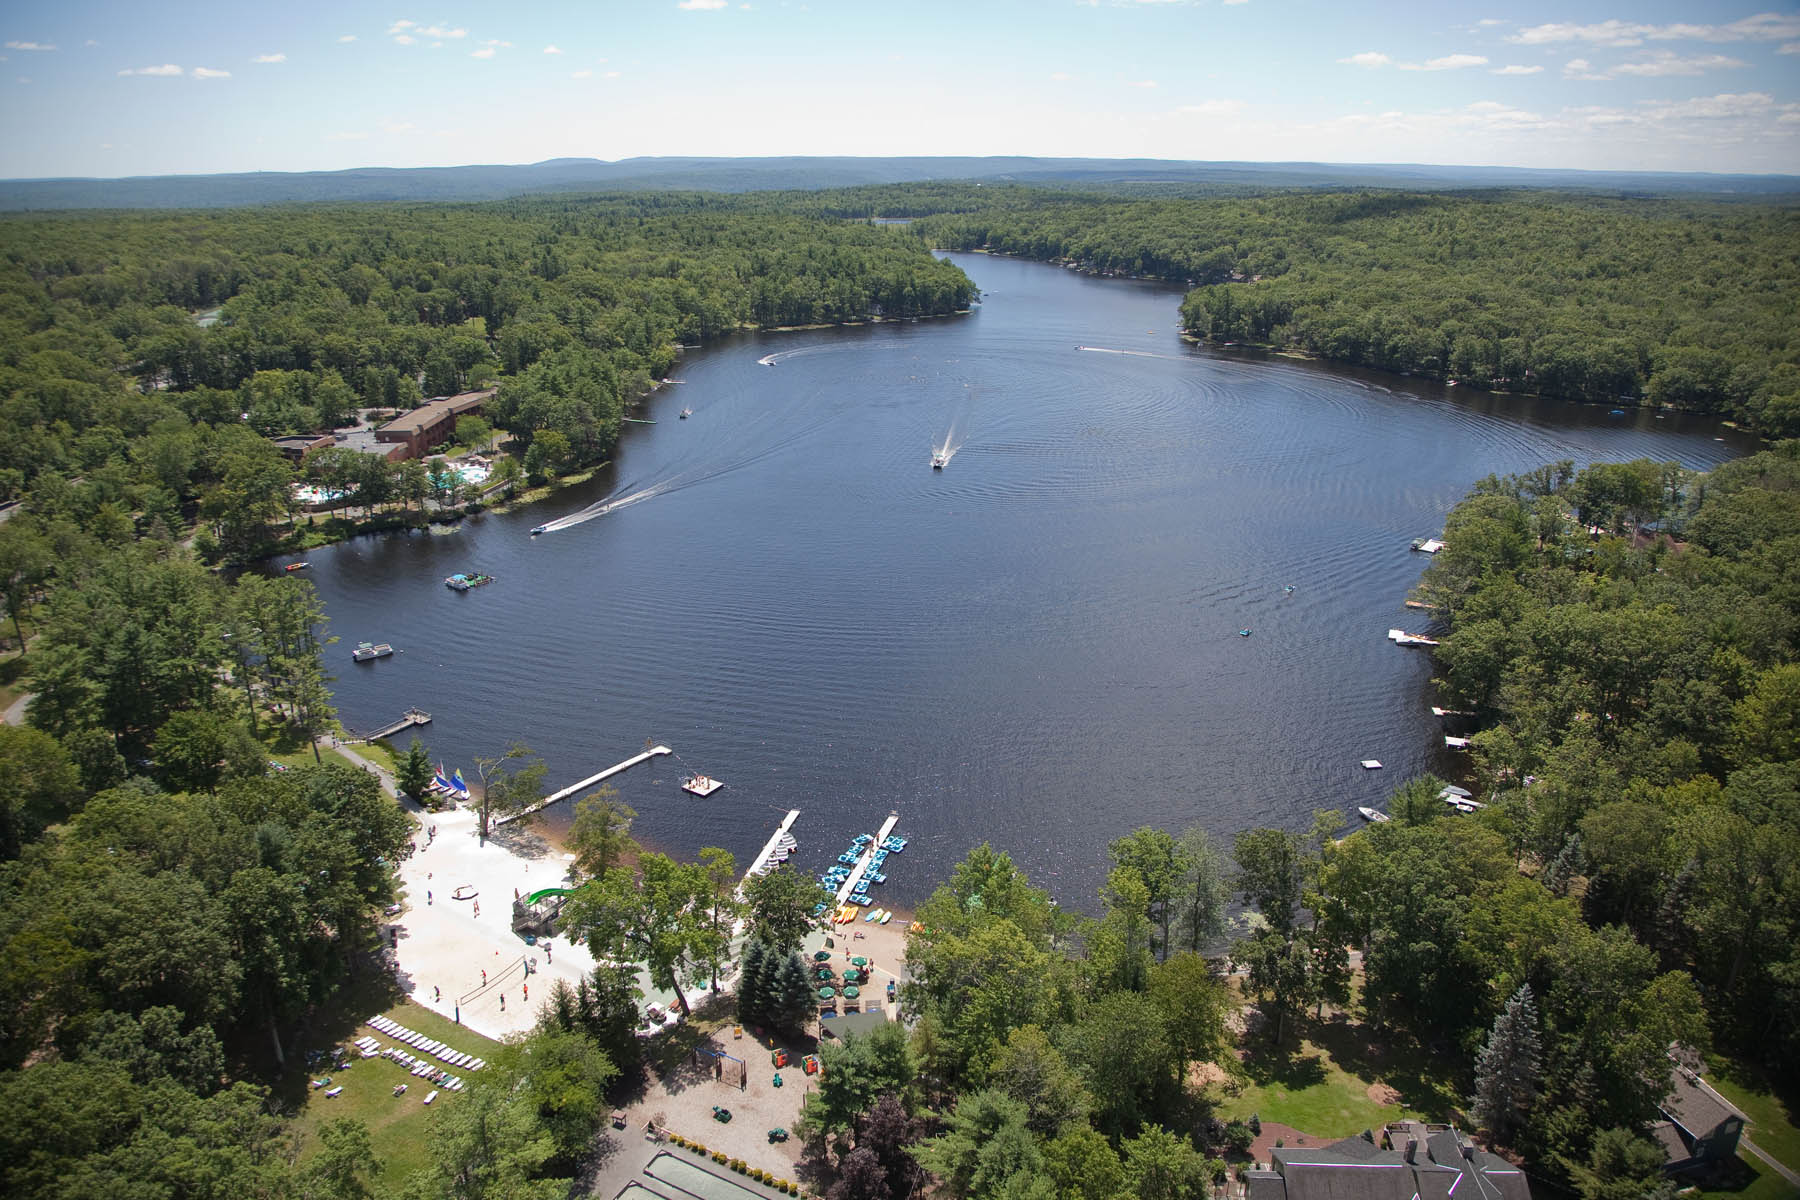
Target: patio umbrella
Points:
(851, 993)
(826, 993)
(821, 955)
(859, 961)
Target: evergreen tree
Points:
(751, 997)
(1565, 866)
(1507, 1069)
(413, 773)
(792, 996)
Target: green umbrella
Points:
(821, 955)
(851, 993)
(826, 993)
(859, 961)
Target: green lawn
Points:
(1758, 1183)
(397, 1125)
(1772, 1124)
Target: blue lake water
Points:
(1037, 646)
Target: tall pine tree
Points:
(1507, 1069)
(751, 991)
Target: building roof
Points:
(1441, 1166)
(433, 411)
(1694, 1106)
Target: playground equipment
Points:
(534, 916)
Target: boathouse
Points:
(432, 423)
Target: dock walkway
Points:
(413, 716)
(590, 781)
(867, 857)
(768, 848)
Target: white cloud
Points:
(1581, 68)
(167, 69)
(209, 73)
(1665, 63)
(1449, 62)
(1515, 69)
(1763, 27)
(347, 39)
(404, 39)
(1229, 2)
(400, 26)
(1213, 108)
(269, 58)
(1143, 83)
(581, 75)
(1489, 22)
(92, 42)
(610, 75)
(1368, 58)
(1723, 107)
(438, 31)
(397, 127)
(356, 135)
(702, 5)
(497, 42)
(552, 50)
(29, 46)
(1788, 48)
(1061, 76)
(487, 52)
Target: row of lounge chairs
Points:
(420, 1068)
(401, 1033)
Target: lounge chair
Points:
(333, 1091)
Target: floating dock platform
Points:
(700, 785)
(867, 857)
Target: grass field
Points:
(1771, 1119)
(397, 1124)
(1757, 1182)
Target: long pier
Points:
(868, 856)
(590, 781)
(769, 846)
(414, 716)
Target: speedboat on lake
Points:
(540, 529)
(1373, 814)
(938, 459)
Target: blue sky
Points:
(112, 89)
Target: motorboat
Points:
(460, 582)
(540, 529)
(938, 459)
(369, 651)
(1372, 814)
(686, 413)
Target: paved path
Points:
(1792, 1177)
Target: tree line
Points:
(1675, 303)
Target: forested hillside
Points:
(1684, 304)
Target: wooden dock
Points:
(590, 781)
(414, 716)
(867, 857)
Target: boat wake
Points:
(1131, 353)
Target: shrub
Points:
(1256, 1124)
(718, 1157)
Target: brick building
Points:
(432, 423)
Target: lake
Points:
(1036, 646)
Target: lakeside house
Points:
(297, 446)
(432, 423)
(1700, 1128)
(1415, 1161)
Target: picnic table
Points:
(721, 1114)
(778, 1135)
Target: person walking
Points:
(484, 977)
(502, 1001)
(527, 989)
(437, 994)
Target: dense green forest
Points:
(1680, 303)
(118, 404)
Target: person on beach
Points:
(484, 977)
(502, 1001)
(437, 994)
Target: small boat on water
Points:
(460, 582)
(686, 413)
(370, 651)
(700, 785)
(938, 459)
(1450, 789)
(1402, 638)
(1428, 545)
(1371, 764)
(540, 529)
(299, 566)
(1372, 814)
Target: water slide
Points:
(536, 896)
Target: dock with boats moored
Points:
(412, 717)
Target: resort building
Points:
(1700, 1128)
(432, 423)
(1419, 1162)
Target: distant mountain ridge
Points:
(494, 182)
